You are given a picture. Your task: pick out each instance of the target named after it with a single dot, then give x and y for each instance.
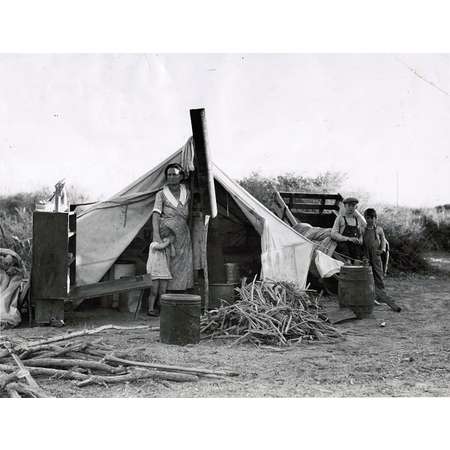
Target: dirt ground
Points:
(408, 357)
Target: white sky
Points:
(101, 121)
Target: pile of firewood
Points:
(82, 361)
(270, 313)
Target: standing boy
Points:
(348, 230)
(374, 245)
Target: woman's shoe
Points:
(153, 313)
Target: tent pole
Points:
(207, 196)
(205, 262)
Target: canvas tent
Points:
(244, 230)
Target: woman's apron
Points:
(175, 220)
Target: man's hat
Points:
(351, 200)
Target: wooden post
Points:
(205, 263)
(207, 193)
(204, 164)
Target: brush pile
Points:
(84, 362)
(270, 313)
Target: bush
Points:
(16, 233)
(436, 233)
(411, 233)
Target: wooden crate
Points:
(319, 210)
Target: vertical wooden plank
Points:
(322, 205)
(205, 178)
(205, 263)
(48, 310)
(72, 246)
(50, 247)
(203, 163)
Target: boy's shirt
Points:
(379, 234)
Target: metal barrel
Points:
(180, 319)
(356, 290)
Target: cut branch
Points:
(22, 388)
(63, 363)
(194, 370)
(89, 332)
(140, 374)
(23, 371)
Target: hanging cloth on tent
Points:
(187, 156)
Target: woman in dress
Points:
(170, 218)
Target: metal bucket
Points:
(356, 290)
(233, 273)
(180, 319)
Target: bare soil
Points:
(409, 356)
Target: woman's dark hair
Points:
(370, 212)
(174, 166)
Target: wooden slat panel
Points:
(110, 287)
(312, 206)
(308, 195)
(317, 220)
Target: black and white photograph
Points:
(210, 224)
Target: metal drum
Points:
(356, 290)
(180, 319)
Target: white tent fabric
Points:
(105, 229)
(285, 254)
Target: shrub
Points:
(411, 233)
(16, 233)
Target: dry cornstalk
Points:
(269, 313)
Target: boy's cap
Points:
(351, 200)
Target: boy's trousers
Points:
(378, 278)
